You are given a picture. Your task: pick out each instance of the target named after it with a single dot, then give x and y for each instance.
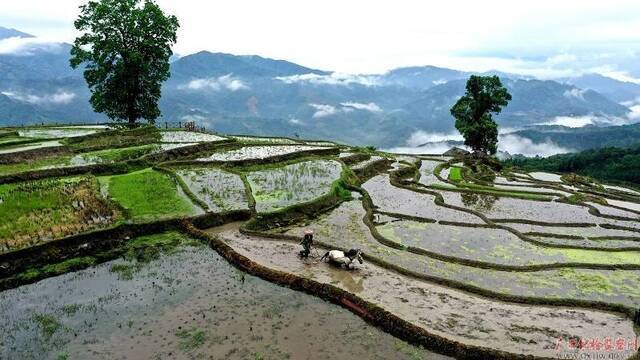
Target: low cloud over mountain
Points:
(252, 94)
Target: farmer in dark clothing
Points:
(306, 242)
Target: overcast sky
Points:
(546, 38)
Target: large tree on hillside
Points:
(485, 96)
(125, 47)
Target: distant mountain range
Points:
(252, 94)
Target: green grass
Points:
(6, 169)
(139, 251)
(115, 139)
(44, 207)
(68, 265)
(148, 195)
(455, 174)
(48, 324)
(191, 339)
(122, 154)
(143, 249)
(94, 157)
(146, 248)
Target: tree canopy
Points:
(611, 163)
(484, 96)
(124, 47)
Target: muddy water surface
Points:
(343, 227)
(191, 304)
(392, 199)
(531, 330)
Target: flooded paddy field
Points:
(277, 188)
(366, 163)
(320, 143)
(620, 244)
(266, 140)
(219, 189)
(495, 246)
(29, 146)
(109, 156)
(389, 198)
(511, 208)
(171, 136)
(623, 190)
(59, 132)
(608, 210)
(452, 314)
(256, 152)
(635, 206)
(543, 176)
(427, 176)
(343, 227)
(516, 277)
(184, 305)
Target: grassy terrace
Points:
(108, 156)
(148, 195)
(40, 211)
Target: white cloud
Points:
(331, 79)
(433, 148)
(571, 121)
(575, 93)
(323, 110)
(514, 144)
(619, 75)
(591, 119)
(421, 137)
(439, 82)
(227, 82)
(561, 59)
(438, 143)
(27, 46)
(635, 112)
(60, 97)
(295, 121)
(372, 107)
(634, 107)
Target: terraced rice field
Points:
(219, 189)
(494, 246)
(256, 152)
(188, 303)
(148, 194)
(274, 189)
(40, 211)
(343, 228)
(427, 176)
(59, 132)
(114, 264)
(367, 163)
(109, 156)
(30, 146)
(266, 140)
(170, 136)
(390, 199)
(545, 176)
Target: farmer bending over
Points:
(306, 242)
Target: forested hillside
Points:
(610, 164)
